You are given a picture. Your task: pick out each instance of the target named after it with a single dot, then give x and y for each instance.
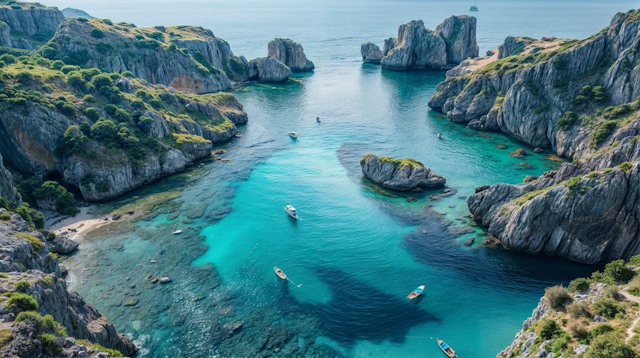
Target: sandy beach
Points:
(82, 222)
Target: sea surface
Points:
(357, 250)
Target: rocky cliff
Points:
(452, 42)
(187, 58)
(7, 188)
(31, 281)
(577, 98)
(27, 25)
(105, 133)
(402, 175)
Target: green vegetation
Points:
(398, 163)
(35, 242)
(112, 352)
(5, 337)
(34, 188)
(5, 217)
(23, 302)
(22, 285)
(567, 120)
(625, 166)
(557, 296)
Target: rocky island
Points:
(452, 42)
(401, 175)
(285, 56)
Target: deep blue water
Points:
(358, 251)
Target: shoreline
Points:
(83, 222)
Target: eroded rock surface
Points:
(402, 175)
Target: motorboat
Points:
(446, 349)
(415, 293)
(292, 211)
(293, 135)
(175, 232)
(280, 273)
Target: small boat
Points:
(175, 232)
(446, 349)
(238, 135)
(292, 211)
(474, 7)
(440, 136)
(280, 273)
(293, 135)
(317, 119)
(415, 293)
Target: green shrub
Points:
(567, 120)
(560, 63)
(5, 337)
(72, 142)
(48, 341)
(89, 98)
(127, 74)
(107, 21)
(549, 329)
(66, 69)
(607, 308)
(634, 290)
(605, 129)
(92, 113)
(76, 80)
(579, 309)
(22, 285)
(57, 65)
(579, 284)
(35, 242)
(618, 271)
(112, 352)
(29, 316)
(625, 166)
(8, 59)
(557, 296)
(97, 33)
(24, 77)
(609, 346)
(5, 217)
(23, 301)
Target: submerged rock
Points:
(402, 175)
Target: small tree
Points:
(618, 271)
(97, 33)
(557, 296)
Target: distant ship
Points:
(474, 7)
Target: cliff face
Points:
(452, 42)
(105, 149)
(402, 175)
(43, 282)
(285, 56)
(28, 24)
(579, 99)
(198, 62)
(7, 189)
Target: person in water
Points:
(440, 135)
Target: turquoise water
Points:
(357, 250)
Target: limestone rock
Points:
(268, 69)
(125, 85)
(459, 33)
(513, 44)
(291, 54)
(159, 128)
(63, 246)
(8, 190)
(402, 175)
(371, 53)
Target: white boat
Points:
(474, 7)
(293, 135)
(175, 232)
(292, 211)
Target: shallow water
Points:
(357, 250)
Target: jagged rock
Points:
(371, 53)
(291, 54)
(580, 349)
(513, 44)
(459, 33)
(81, 320)
(159, 128)
(125, 85)
(469, 242)
(268, 69)
(452, 42)
(63, 246)
(40, 21)
(8, 190)
(600, 319)
(402, 175)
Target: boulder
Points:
(401, 175)
(513, 45)
(268, 69)
(125, 85)
(63, 245)
(371, 53)
(291, 54)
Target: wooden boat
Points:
(280, 273)
(446, 349)
(415, 293)
(175, 232)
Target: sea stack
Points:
(401, 175)
(285, 56)
(452, 42)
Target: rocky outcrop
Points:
(524, 339)
(205, 66)
(291, 54)
(513, 45)
(34, 23)
(24, 249)
(7, 188)
(401, 175)
(371, 53)
(62, 245)
(459, 33)
(268, 69)
(547, 98)
(71, 12)
(452, 42)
